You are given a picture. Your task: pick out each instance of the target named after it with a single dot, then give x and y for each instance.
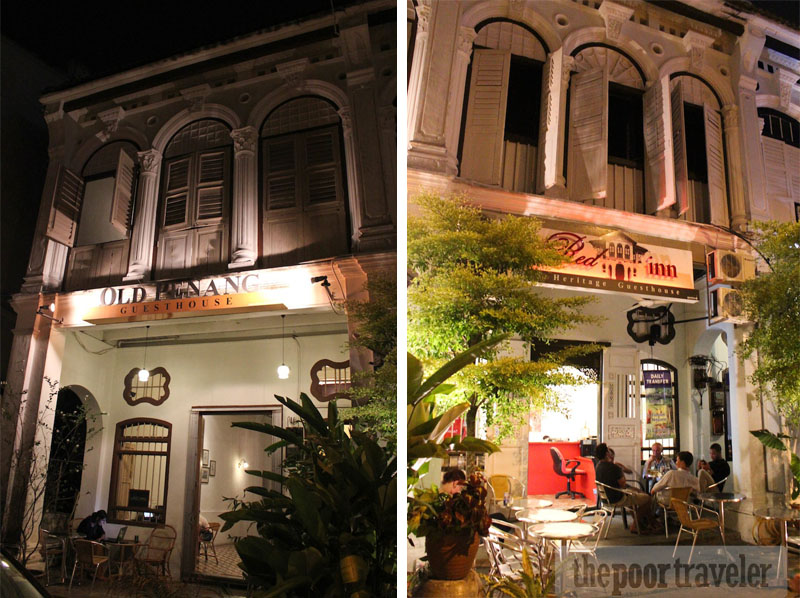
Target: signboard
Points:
(617, 263)
(659, 404)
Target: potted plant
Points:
(451, 525)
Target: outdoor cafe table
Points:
(121, 554)
(525, 504)
(783, 515)
(563, 531)
(545, 516)
(721, 498)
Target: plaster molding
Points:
(784, 61)
(748, 83)
(355, 45)
(786, 82)
(730, 116)
(360, 77)
(614, 15)
(466, 35)
(196, 96)
(695, 44)
(244, 139)
(751, 44)
(150, 161)
(110, 119)
(184, 117)
(284, 93)
(294, 72)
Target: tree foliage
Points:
(772, 301)
(375, 391)
(474, 276)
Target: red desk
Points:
(543, 480)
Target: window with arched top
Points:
(303, 183)
(140, 472)
(194, 206)
(780, 141)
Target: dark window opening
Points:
(524, 95)
(780, 126)
(625, 129)
(695, 126)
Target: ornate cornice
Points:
(294, 72)
(196, 96)
(614, 15)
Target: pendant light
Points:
(144, 375)
(283, 369)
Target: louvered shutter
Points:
(322, 165)
(281, 169)
(588, 135)
(122, 200)
(210, 205)
(679, 149)
(177, 192)
(657, 187)
(65, 208)
(775, 167)
(715, 160)
(482, 158)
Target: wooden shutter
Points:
(775, 167)
(322, 167)
(679, 149)
(482, 158)
(122, 200)
(588, 135)
(715, 160)
(65, 208)
(657, 196)
(210, 187)
(281, 169)
(177, 192)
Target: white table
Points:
(563, 531)
(529, 516)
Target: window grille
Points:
(155, 391)
(140, 472)
(330, 379)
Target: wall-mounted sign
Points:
(659, 400)
(616, 263)
(175, 299)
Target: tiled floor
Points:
(227, 566)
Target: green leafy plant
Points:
(530, 584)
(334, 531)
(775, 442)
(432, 512)
(475, 276)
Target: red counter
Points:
(543, 480)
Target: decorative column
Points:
(730, 118)
(455, 99)
(553, 123)
(752, 158)
(144, 229)
(244, 225)
(436, 72)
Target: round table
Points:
(531, 503)
(784, 515)
(563, 531)
(528, 516)
(721, 498)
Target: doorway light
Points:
(283, 369)
(144, 375)
(243, 464)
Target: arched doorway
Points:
(67, 447)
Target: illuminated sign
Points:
(616, 263)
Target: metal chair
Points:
(681, 494)
(597, 518)
(715, 487)
(88, 554)
(51, 546)
(157, 550)
(563, 468)
(692, 526)
(214, 527)
(612, 507)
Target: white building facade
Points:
(203, 218)
(650, 138)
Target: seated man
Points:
(658, 461)
(453, 481)
(610, 474)
(676, 478)
(622, 466)
(719, 466)
(92, 526)
(206, 533)
(704, 477)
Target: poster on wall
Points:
(659, 404)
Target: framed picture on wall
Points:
(206, 456)
(212, 468)
(204, 475)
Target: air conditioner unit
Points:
(725, 267)
(727, 305)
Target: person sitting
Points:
(658, 461)
(719, 466)
(92, 526)
(206, 533)
(611, 475)
(704, 477)
(453, 481)
(676, 478)
(623, 467)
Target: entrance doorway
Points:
(226, 454)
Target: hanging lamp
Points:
(283, 369)
(144, 375)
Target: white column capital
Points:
(150, 161)
(244, 140)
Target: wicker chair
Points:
(156, 551)
(502, 483)
(205, 544)
(51, 547)
(681, 494)
(88, 554)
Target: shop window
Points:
(304, 199)
(330, 379)
(195, 198)
(140, 472)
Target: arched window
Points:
(140, 472)
(194, 209)
(502, 117)
(304, 198)
(780, 140)
(627, 252)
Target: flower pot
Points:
(451, 555)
